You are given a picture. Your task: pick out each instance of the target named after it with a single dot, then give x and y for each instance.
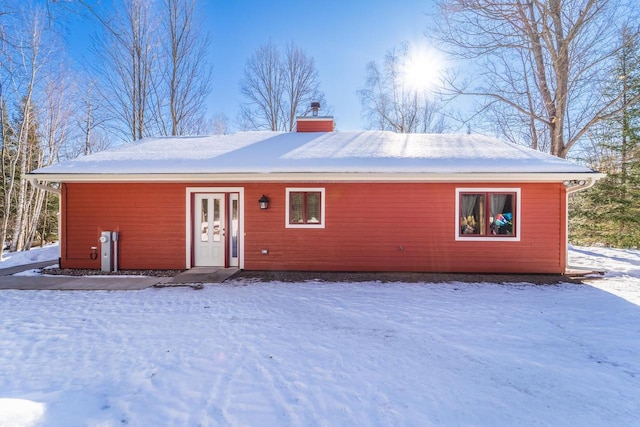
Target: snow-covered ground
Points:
(46, 253)
(328, 354)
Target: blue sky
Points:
(342, 36)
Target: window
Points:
(491, 214)
(305, 208)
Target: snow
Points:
(330, 152)
(46, 253)
(328, 354)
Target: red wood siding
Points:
(315, 125)
(149, 217)
(403, 227)
(368, 227)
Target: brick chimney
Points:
(315, 123)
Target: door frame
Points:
(189, 207)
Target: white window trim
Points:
(288, 191)
(188, 234)
(517, 217)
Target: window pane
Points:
(216, 220)
(472, 216)
(501, 214)
(296, 205)
(204, 220)
(313, 208)
(234, 228)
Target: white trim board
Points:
(518, 216)
(290, 190)
(189, 215)
(302, 177)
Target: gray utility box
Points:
(106, 254)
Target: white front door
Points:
(209, 230)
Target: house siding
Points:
(368, 227)
(149, 217)
(405, 227)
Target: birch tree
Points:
(34, 91)
(542, 62)
(25, 67)
(89, 118)
(389, 102)
(53, 133)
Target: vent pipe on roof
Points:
(315, 106)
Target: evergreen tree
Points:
(609, 213)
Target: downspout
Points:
(36, 184)
(573, 186)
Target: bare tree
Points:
(28, 64)
(538, 65)
(89, 119)
(35, 90)
(221, 125)
(128, 54)
(25, 69)
(278, 88)
(390, 103)
(302, 85)
(186, 79)
(54, 125)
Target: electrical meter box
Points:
(106, 254)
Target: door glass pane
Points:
(204, 221)
(234, 228)
(216, 221)
(313, 208)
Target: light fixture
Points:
(574, 183)
(264, 202)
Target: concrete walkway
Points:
(106, 283)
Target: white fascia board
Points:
(322, 177)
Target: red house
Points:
(319, 200)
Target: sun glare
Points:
(21, 412)
(423, 69)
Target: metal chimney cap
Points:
(315, 106)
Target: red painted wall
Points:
(149, 217)
(315, 125)
(366, 226)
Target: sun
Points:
(423, 68)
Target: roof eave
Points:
(318, 177)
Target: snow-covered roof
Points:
(366, 152)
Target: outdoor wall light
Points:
(264, 202)
(574, 182)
